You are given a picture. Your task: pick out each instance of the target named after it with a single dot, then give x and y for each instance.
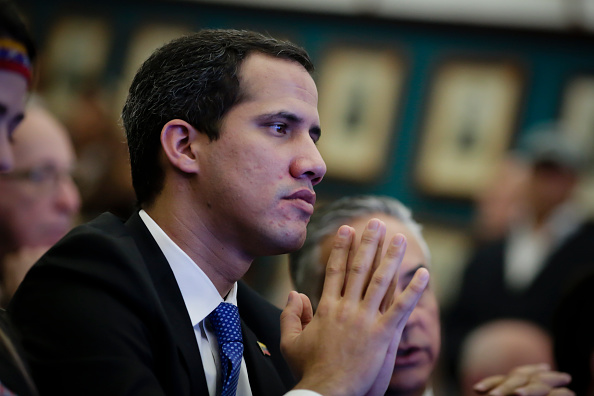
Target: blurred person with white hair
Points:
(39, 201)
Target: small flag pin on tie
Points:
(263, 348)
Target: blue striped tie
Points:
(227, 328)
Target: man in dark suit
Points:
(221, 128)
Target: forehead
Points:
(40, 138)
(264, 77)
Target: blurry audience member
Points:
(17, 54)
(499, 205)
(522, 274)
(419, 347)
(500, 346)
(39, 200)
(573, 330)
(103, 166)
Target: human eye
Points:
(279, 128)
(43, 175)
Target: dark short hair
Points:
(12, 25)
(195, 79)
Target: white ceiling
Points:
(552, 14)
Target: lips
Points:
(304, 198)
(410, 356)
(304, 195)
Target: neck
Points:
(223, 264)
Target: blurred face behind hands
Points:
(421, 339)
(13, 91)
(39, 199)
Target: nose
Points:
(6, 158)
(412, 322)
(67, 196)
(308, 163)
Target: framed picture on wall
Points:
(577, 113)
(577, 110)
(75, 57)
(471, 114)
(144, 41)
(359, 90)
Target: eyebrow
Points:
(289, 117)
(411, 273)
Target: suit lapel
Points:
(172, 301)
(264, 379)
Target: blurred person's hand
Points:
(528, 380)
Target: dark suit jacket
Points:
(101, 314)
(12, 374)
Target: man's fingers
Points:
(405, 302)
(380, 292)
(554, 378)
(358, 275)
(509, 385)
(527, 380)
(561, 392)
(337, 263)
(530, 369)
(488, 383)
(291, 318)
(535, 389)
(307, 311)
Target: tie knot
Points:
(226, 324)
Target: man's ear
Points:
(178, 139)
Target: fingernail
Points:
(343, 231)
(398, 240)
(479, 387)
(373, 225)
(423, 275)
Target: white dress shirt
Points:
(201, 298)
(528, 248)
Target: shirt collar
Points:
(200, 295)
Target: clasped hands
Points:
(527, 380)
(349, 346)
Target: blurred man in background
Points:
(39, 200)
(522, 274)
